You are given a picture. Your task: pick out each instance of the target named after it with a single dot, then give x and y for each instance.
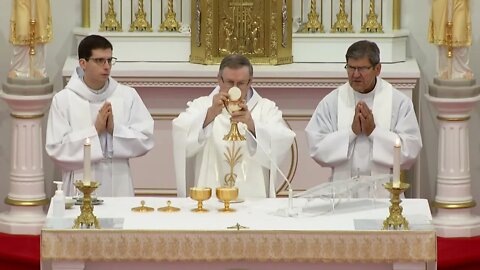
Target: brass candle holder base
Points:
(226, 195)
(86, 217)
(396, 221)
(200, 194)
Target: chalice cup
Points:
(226, 195)
(200, 194)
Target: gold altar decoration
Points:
(226, 195)
(258, 29)
(342, 24)
(371, 25)
(200, 194)
(141, 23)
(142, 208)
(86, 13)
(396, 16)
(110, 23)
(237, 227)
(313, 25)
(395, 220)
(169, 208)
(86, 217)
(170, 24)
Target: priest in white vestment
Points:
(354, 128)
(93, 105)
(199, 148)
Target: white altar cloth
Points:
(316, 236)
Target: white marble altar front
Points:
(348, 238)
(296, 88)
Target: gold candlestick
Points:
(86, 217)
(170, 23)
(342, 24)
(396, 221)
(313, 25)
(141, 24)
(110, 23)
(372, 25)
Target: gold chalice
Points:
(233, 105)
(226, 195)
(200, 194)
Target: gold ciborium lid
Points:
(200, 194)
(142, 208)
(169, 208)
(226, 195)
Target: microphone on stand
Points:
(290, 211)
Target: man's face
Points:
(361, 74)
(239, 77)
(97, 67)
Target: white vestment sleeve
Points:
(327, 145)
(64, 144)
(134, 137)
(406, 128)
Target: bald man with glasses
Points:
(95, 107)
(354, 128)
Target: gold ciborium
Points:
(200, 194)
(86, 217)
(396, 221)
(226, 195)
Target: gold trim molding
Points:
(20, 116)
(453, 119)
(469, 204)
(14, 202)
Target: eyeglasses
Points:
(240, 84)
(101, 61)
(361, 70)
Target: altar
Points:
(257, 236)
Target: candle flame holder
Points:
(396, 221)
(86, 218)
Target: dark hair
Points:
(90, 43)
(235, 61)
(364, 48)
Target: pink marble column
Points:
(26, 198)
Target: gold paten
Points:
(142, 208)
(396, 221)
(170, 24)
(200, 194)
(110, 23)
(258, 29)
(371, 25)
(141, 23)
(226, 195)
(342, 24)
(86, 217)
(313, 25)
(169, 208)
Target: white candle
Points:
(396, 163)
(87, 171)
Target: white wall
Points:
(67, 15)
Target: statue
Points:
(30, 29)
(450, 29)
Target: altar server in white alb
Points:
(199, 148)
(354, 128)
(93, 105)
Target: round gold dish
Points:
(200, 194)
(226, 195)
